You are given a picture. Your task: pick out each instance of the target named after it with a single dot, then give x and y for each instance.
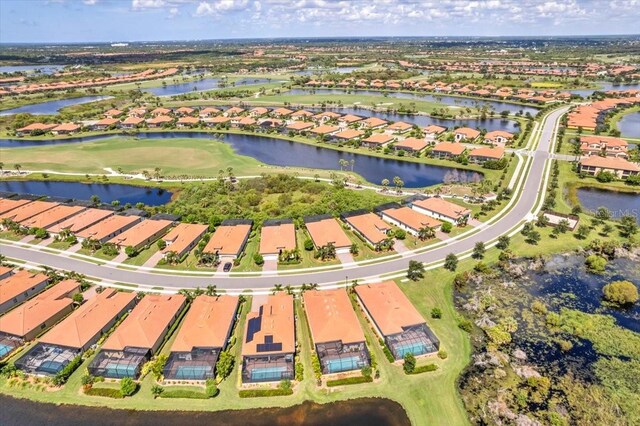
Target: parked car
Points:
(227, 267)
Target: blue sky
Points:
(141, 20)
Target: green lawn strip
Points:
(97, 254)
(143, 256)
(60, 245)
(10, 235)
(308, 260)
(246, 262)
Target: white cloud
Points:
(89, 2)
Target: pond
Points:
(629, 125)
(107, 192)
(357, 412)
(321, 71)
(618, 203)
(605, 86)
(44, 69)
(279, 152)
(202, 85)
(425, 120)
(52, 107)
(444, 99)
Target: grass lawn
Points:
(246, 262)
(143, 256)
(10, 235)
(308, 259)
(60, 245)
(98, 254)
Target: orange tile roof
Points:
(259, 111)
(107, 122)
(182, 236)
(82, 220)
(228, 239)
(161, 111)
(412, 218)
(139, 233)
(52, 216)
(159, 119)
(282, 111)
(390, 309)
(325, 129)
(606, 140)
(371, 226)
(496, 133)
(7, 205)
(147, 323)
(28, 210)
(443, 207)
(185, 110)
(488, 152)
(206, 324)
(29, 316)
(349, 134)
(613, 163)
(378, 139)
(274, 238)
(106, 227)
(350, 118)
(467, 132)
(188, 120)
(275, 318)
(374, 122)
(331, 317)
(66, 127)
(399, 126)
(449, 148)
(327, 231)
(83, 324)
(217, 120)
(37, 126)
(299, 125)
(432, 128)
(412, 144)
(18, 283)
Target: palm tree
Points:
(211, 290)
(1, 168)
(277, 288)
(426, 233)
(156, 173)
(385, 185)
(353, 162)
(399, 183)
(18, 167)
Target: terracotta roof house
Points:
(183, 238)
(325, 130)
(137, 112)
(76, 333)
(446, 150)
(465, 134)
(161, 111)
(6, 205)
(442, 210)
(159, 121)
(209, 112)
(214, 121)
(188, 121)
(185, 111)
(269, 345)
(349, 119)
(377, 139)
(5, 271)
(325, 116)
(432, 131)
(203, 334)
(138, 337)
(368, 225)
(81, 221)
(244, 122)
(483, 154)
(301, 114)
(142, 234)
(399, 127)
(108, 228)
(299, 126)
(33, 127)
(281, 112)
(498, 137)
(603, 145)
(348, 135)
(113, 113)
(106, 123)
(20, 286)
(620, 167)
(411, 145)
(233, 111)
(28, 320)
(258, 111)
(409, 220)
(373, 123)
(65, 129)
(131, 122)
(325, 230)
(230, 238)
(28, 210)
(396, 320)
(51, 217)
(335, 331)
(277, 236)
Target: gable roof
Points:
(82, 220)
(331, 316)
(327, 231)
(273, 318)
(443, 207)
(228, 239)
(274, 238)
(18, 283)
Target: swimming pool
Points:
(51, 367)
(267, 373)
(194, 372)
(415, 348)
(343, 364)
(116, 370)
(5, 349)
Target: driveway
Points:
(345, 257)
(154, 259)
(270, 265)
(400, 247)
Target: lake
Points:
(357, 412)
(605, 86)
(321, 71)
(45, 69)
(52, 107)
(107, 192)
(203, 85)
(444, 99)
(280, 152)
(629, 125)
(618, 203)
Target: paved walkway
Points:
(345, 257)
(400, 247)
(270, 266)
(121, 257)
(154, 259)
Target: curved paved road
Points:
(522, 207)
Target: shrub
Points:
(224, 364)
(257, 393)
(308, 244)
(156, 390)
(63, 375)
(409, 363)
(106, 392)
(349, 381)
(446, 227)
(299, 371)
(131, 251)
(258, 259)
(317, 368)
(400, 234)
(285, 384)
(424, 369)
(442, 354)
(161, 244)
(211, 389)
(596, 264)
(366, 371)
(465, 324)
(436, 313)
(386, 351)
(128, 387)
(183, 393)
(620, 292)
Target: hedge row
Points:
(424, 369)
(183, 393)
(349, 381)
(108, 392)
(253, 393)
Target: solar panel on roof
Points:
(269, 347)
